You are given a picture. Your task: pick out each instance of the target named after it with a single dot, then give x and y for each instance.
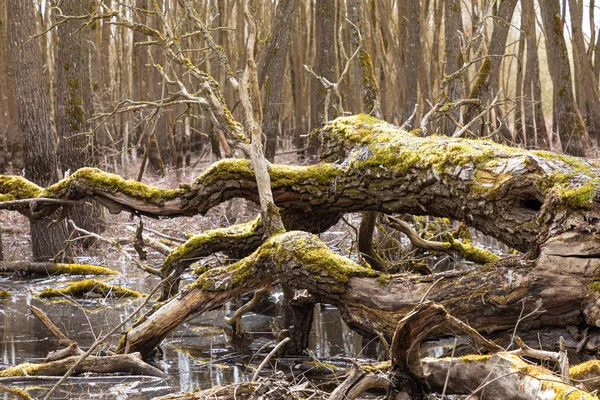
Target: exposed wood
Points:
(123, 363)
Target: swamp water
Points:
(198, 355)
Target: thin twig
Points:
(268, 357)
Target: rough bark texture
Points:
(588, 100)
(48, 239)
(324, 59)
(74, 107)
(566, 120)
(536, 133)
(278, 45)
(454, 59)
(412, 57)
(517, 196)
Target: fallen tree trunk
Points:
(532, 201)
(42, 268)
(517, 196)
(127, 363)
(492, 299)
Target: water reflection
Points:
(198, 355)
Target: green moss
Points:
(384, 280)
(585, 370)
(115, 184)
(26, 369)
(563, 391)
(475, 358)
(281, 175)
(17, 188)
(473, 253)
(186, 250)
(81, 269)
(285, 250)
(310, 252)
(385, 148)
(81, 288)
(4, 294)
(17, 392)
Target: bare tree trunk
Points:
(74, 107)
(454, 58)
(412, 58)
(47, 238)
(536, 133)
(273, 60)
(588, 100)
(566, 122)
(324, 58)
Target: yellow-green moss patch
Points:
(18, 392)
(81, 269)
(94, 286)
(115, 184)
(184, 251)
(14, 187)
(4, 294)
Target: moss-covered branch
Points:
(85, 287)
(494, 298)
(129, 363)
(514, 195)
(54, 268)
(237, 240)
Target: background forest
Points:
(475, 122)
(536, 65)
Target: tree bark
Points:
(74, 108)
(274, 71)
(47, 238)
(412, 57)
(454, 58)
(532, 200)
(536, 134)
(589, 102)
(566, 120)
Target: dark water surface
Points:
(198, 355)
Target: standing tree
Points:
(412, 57)
(271, 68)
(587, 84)
(74, 106)
(566, 120)
(41, 166)
(536, 134)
